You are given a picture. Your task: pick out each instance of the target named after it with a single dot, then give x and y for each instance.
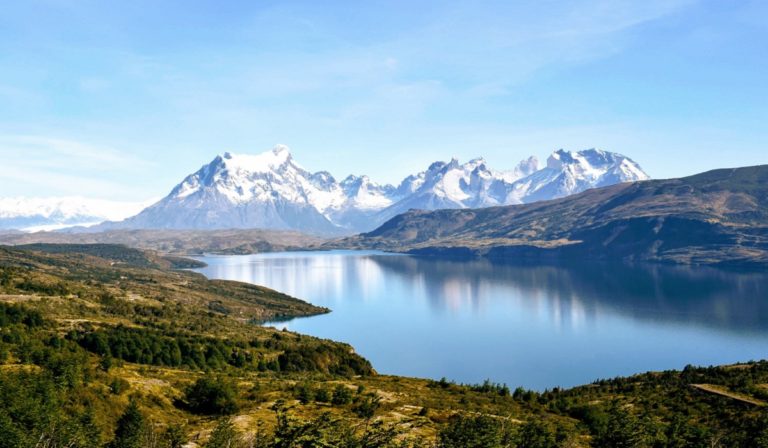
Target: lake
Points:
(536, 326)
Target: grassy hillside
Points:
(716, 217)
(95, 352)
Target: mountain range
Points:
(272, 191)
(717, 217)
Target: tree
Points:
(223, 436)
(174, 437)
(622, 431)
(304, 393)
(341, 395)
(322, 395)
(534, 434)
(212, 396)
(367, 406)
(130, 428)
(105, 363)
(760, 432)
(473, 432)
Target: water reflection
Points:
(730, 300)
(533, 325)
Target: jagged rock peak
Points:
(271, 190)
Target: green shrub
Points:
(474, 432)
(223, 436)
(341, 395)
(131, 429)
(212, 396)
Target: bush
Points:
(367, 406)
(212, 396)
(118, 385)
(131, 428)
(223, 436)
(322, 395)
(304, 393)
(16, 314)
(175, 436)
(341, 395)
(473, 432)
(535, 434)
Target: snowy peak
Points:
(35, 214)
(361, 192)
(474, 184)
(270, 190)
(323, 180)
(523, 169)
(587, 158)
(240, 178)
(451, 185)
(281, 151)
(275, 160)
(593, 164)
(569, 172)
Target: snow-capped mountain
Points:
(453, 185)
(35, 214)
(270, 190)
(570, 172)
(475, 185)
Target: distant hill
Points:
(180, 242)
(716, 217)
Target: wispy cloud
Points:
(391, 78)
(61, 166)
(81, 154)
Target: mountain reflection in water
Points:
(533, 325)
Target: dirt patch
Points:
(723, 392)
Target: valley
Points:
(444, 224)
(494, 330)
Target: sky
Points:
(122, 100)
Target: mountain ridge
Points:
(716, 217)
(271, 191)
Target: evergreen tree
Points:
(760, 432)
(212, 396)
(623, 431)
(534, 434)
(130, 428)
(174, 437)
(473, 432)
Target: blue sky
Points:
(121, 100)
